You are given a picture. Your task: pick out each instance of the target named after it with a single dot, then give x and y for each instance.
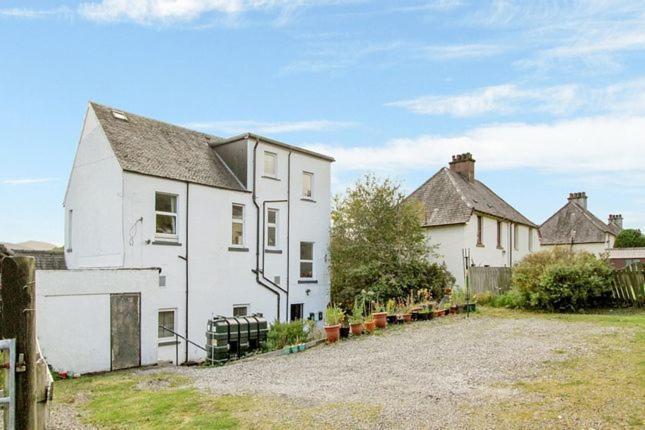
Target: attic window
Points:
(119, 115)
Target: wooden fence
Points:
(493, 280)
(629, 286)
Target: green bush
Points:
(559, 280)
(630, 238)
(284, 334)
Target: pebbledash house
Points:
(235, 226)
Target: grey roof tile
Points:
(573, 221)
(45, 260)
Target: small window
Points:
(237, 237)
(480, 226)
(499, 234)
(240, 310)
(272, 228)
(306, 260)
(270, 164)
(276, 280)
(166, 323)
(70, 218)
(530, 239)
(297, 311)
(166, 215)
(516, 237)
(119, 115)
(307, 185)
(162, 280)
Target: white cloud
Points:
(466, 51)
(26, 181)
(27, 13)
(265, 127)
(589, 146)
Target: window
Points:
(162, 280)
(240, 310)
(306, 259)
(530, 239)
(307, 185)
(272, 228)
(499, 234)
(297, 311)
(70, 214)
(166, 321)
(237, 236)
(480, 226)
(166, 215)
(270, 164)
(516, 236)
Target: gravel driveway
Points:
(419, 376)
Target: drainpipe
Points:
(186, 322)
(257, 231)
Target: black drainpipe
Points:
(257, 231)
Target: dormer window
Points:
(270, 164)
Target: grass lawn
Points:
(603, 387)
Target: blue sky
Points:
(548, 96)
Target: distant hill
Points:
(31, 245)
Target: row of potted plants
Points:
(393, 312)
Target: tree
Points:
(378, 244)
(630, 238)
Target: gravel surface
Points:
(422, 375)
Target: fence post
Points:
(19, 322)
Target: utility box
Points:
(229, 338)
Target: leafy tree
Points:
(378, 244)
(630, 238)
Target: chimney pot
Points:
(580, 198)
(464, 164)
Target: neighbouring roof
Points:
(626, 253)
(449, 198)
(574, 224)
(156, 148)
(45, 260)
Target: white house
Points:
(574, 226)
(463, 213)
(236, 226)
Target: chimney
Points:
(464, 164)
(616, 220)
(579, 198)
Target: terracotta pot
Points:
(333, 332)
(380, 318)
(436, 313)
(407, 317)
(357, 329)
(370, 326)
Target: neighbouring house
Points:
(235, 226)
(45, 260)
(463, 213)
(574, 226)
(621, 258)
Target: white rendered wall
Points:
(73, 315)
(450, 241)
(597, 249)
(94, 196)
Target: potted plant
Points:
(356, 319)
(344, 330)
(390, 309)
(333, 319)
(424, 314)
(405, 313)
(370, 324)
(380, 316)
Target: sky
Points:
(549, 96)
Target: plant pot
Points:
(424, 316)
(344, 332)
(453, 309)
(407, 317)
(370, 326)
(357, 329)
(415, 315)
(470, 307)
(436, 313)
(380, 318)
(392, 319)
(332, 332)
(293, 349)
(302, 347)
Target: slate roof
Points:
(45, 260)
(570, 218)
(449, 198)
(156, 148)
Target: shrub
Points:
(630, 238)
(284, 334)
(560, 280)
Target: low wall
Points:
(73, 315)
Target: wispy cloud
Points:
(590, 145)
(465, 51)
(262, 127)
(26, 181)
(27, 13)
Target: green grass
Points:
(603, 388)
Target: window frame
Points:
(530, 243)
(499, 235)
(168, 236)
(516, 234)
(311, 185)
(301, 260)
(246, 306)
(161, 339)
(238, 221)
(480, 230)
(275, 225)
(274, 155)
